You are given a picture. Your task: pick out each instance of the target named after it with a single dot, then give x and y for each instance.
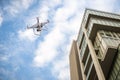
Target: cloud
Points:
(64, 12)
(17, 6)
(26, 35)
(6, 72)
(60, 68)
(104, 5)
(56, 44)
(1, 19)
(4, 54)
(47, 50)
(44, 12)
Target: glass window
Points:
(83, 47)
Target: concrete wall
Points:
(75, 71)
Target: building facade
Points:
(95, 55)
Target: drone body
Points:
(38, 27)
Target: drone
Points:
(38, 27)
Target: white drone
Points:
(38, 27)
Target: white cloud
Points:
(1, 19)
(17, 6)
(64, 30)
(66, 11)
(6, 72)
(64, 74)
(104, 5)
(27, 35)
(37, 78)
(47, 50)
(60, 68)
(44, 12)
(4, 58)
(26, 3)
(3, 55)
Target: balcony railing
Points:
(105, 41)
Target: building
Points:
(95, 55)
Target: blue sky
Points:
(25, 56)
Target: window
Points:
(83, 46)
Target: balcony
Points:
(106, 46)
(83, 48)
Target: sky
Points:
(25, 56)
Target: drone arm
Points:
(45, 22)
(34, 26)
